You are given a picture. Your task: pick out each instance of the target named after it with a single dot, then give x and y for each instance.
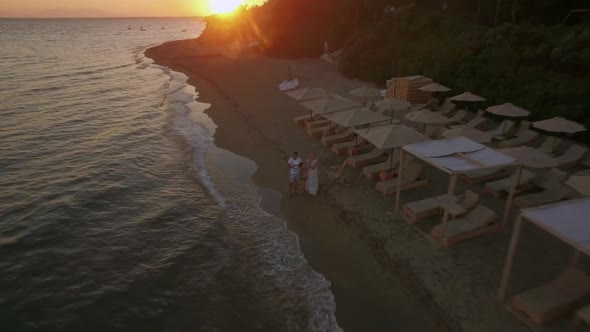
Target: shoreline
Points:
(399, 274)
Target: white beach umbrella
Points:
(392, 104)
(308, 93)
(471, 133)
(366, 91)
(434, 87)
(391, 136)
(427, 117)
(508, 110)
(559, 125)
(329, 105)
(357, 117)
(468, 96)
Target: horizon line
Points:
(93, 17)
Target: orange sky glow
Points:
(116, 8)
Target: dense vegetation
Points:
(519, 51)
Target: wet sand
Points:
(384, 276)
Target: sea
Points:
(117, 210)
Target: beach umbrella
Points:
(434, 87)
(530, 157)
(308, 93)
(559, 125)
(468, 96)
(357, 117)
(392, 104)
(391, 136)
(580, 182)
(366, 91)
(471, 133)
(508, 110)
(427, 117)
(333, 104)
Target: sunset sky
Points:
(108, 8)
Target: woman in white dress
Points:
(311, 186)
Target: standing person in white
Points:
(311, 186)
(294, 172)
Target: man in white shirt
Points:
(295, 164)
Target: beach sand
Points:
(384, 275)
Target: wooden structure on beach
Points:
(407, 88)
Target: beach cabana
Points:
(455, 156)
(569, 222)
(304, 94)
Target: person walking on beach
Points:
(294, 172)
(311, 185)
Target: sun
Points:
(224, 6)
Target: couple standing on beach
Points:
(307, 171)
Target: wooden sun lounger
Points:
(572, 156)
(458, 117)
(480, 220)
(344, 136)
(410, 180)
(373, 157)
(555, 299)
(300, 120)
(503, 129)
(524, 138)
(447, 108)
(547, 196)
(317, 123)
(342, 148)
(372, 171)
(500, 188)
(474, 123)
(318, 132)
(547, 146)
(480, 176)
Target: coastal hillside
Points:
(535, 54)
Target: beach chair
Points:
(503, 129)
(446, 108)
(336, 174)
(480, 220)
(555, 299)
(500, 188)
(572, 156)
(342, 147)
(424, 208)
(418, 107)
(317, 123)
(458, 117)
(343, 136)
(372, 157)
(485, 175)
(300, 120)
(317, 132)
(474, 123)
(524, 138)
(548, 146)
(410, 179)
(522, 127)
(551, 195)
(372, 171)
(551, 178)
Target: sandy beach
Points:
(384, 275)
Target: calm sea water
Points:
(109, 218)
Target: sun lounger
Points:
(342, 148)
(505, 127)
(547, 196)
(410, 179)
(572, 156)
(424, 208)
(373, 157)
(343, 136)
(418, 107)
(458, 117)
(317, 123)
(300, 120)
(502, 187)
(480, 220)
(523, 138)
(548, 146)
(372, 171)
(446, 108)
(555, 299)
(550, 179)
(486, 175)
(474, 123)
(360, 149)
(318, 132)
(522, 127)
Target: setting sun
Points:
(224, 6)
